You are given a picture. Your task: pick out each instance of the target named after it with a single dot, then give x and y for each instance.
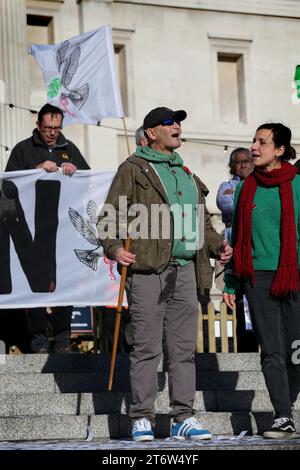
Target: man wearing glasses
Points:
(240, 164)
(48, 149)
(165, 271)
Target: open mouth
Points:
(176, 135)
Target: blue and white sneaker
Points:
(190, 429)
(142, 430)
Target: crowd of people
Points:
(168, 268)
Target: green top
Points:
(266, 223)
(182, 196)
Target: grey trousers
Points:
(169, 301)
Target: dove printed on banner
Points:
(80, 76)
(87, 228)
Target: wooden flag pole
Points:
(126, 136)
(118, 318)
(121, 294)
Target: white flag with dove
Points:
(80, 76)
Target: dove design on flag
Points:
(67, 67)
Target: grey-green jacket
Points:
(137, 180)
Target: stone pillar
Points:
(15, 124)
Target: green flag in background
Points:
(297, 80)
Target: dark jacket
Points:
(137, 180)
(297, 165)
(29, 153)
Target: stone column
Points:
(15, 124)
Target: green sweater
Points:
(182, 195)
(266, 222)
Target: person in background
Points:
(240, 164)
(266, 241)
(47, 149)
(140, 138)
(164, 272)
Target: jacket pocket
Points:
(143, 181)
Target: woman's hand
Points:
(229, 300)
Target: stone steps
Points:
(60, 397)
(95, 382)
(52, 404)
(86, 363)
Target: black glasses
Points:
(243, 162)
(48, 129)
(169, 122)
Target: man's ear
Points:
(151, 133)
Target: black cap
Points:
(158, 115)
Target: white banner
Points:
(80, 76)
(49, 250)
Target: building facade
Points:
(229, 63)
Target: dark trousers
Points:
(246, 339)
(39, 322)
(13, 329)
(277, 326)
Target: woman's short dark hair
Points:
(281, 136)
(49, 109)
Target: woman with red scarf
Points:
(266, 240)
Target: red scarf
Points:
(286, 278)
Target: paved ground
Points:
(220, 442)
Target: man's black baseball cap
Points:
(158, 115)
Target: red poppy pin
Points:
(186, 169)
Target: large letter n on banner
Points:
(37, 255)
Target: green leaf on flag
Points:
(297, 80)
(53, 87)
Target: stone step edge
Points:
(118, 426)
